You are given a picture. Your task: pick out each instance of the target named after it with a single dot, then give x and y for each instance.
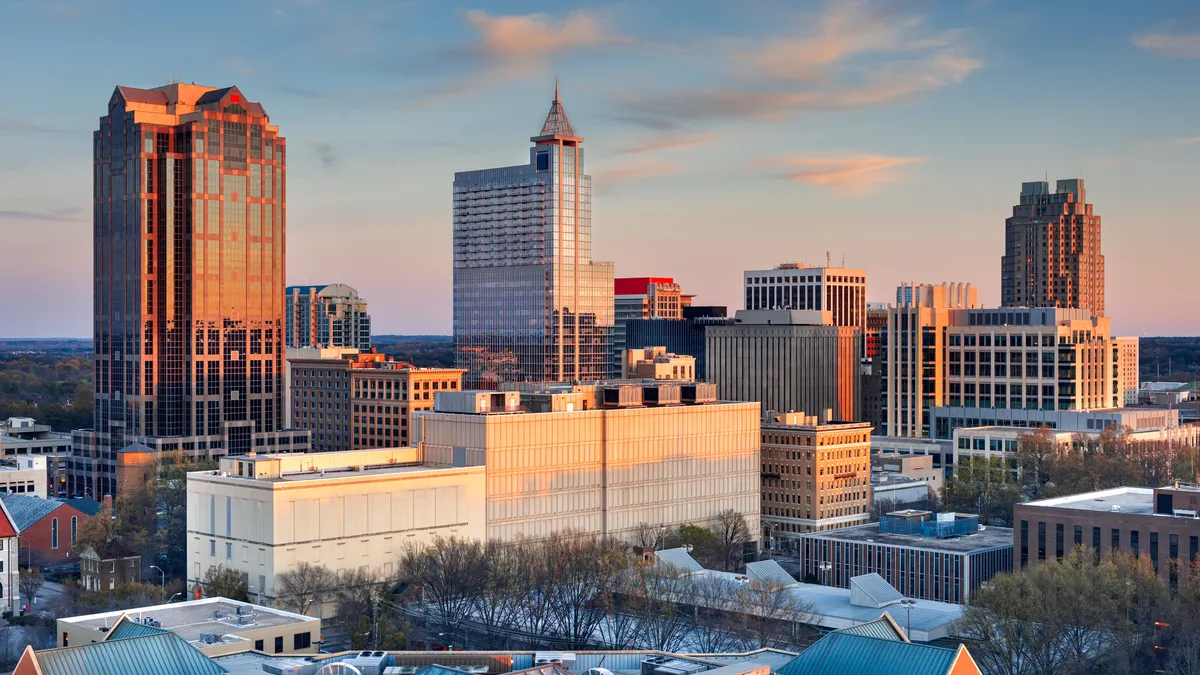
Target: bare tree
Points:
(450, 573)
(733, 534)
(30, 582)
(661, 594)
(355, 596)
(224, 582)
(498, 603)
(712, 603)
(305, 586)
(579, 570)
(771, 613)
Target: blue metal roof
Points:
(26, 510)
(840, 653)
(883, 628)
(126, 628)
(85, 504)
(161, 654)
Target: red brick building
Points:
(104, 567)
(48, 526)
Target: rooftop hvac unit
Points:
(649, 664)
(281, 669)
(742, 580)
(679, 667)
(218, 614)
(699, 392)
(368, 663)
(245, 620)
(210, 638)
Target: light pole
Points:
(163, 587)
(173, 597)
(908, 603)
(825, 567)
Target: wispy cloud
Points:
(667, 142)
(325, 154)
(60, 11)
(638, 168)
(67, 215)
(27, 125)
(846, 175)
(1169, 45)
(240, 66)
(861, 56)
(1184, 142)
(514, 46)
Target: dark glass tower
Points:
(189, 227)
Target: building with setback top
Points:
(332, 315)
(529, 303)
(1052, 249)
(189, 231)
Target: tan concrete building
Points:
(607, 459)
(916, 467)
(788, 360)
(656, 363)
(1128, 370)
(1052, 249)
(912, 354)
(215, 626)
(1159, 523)
(816, 475)
(261, 515)
(363, 399)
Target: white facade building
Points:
(843, 292)
(24, 474)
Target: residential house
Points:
(105, 566)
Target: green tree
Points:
(223, 582)
(984, 486)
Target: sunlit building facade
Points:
(331, 315)
(189, 270)
(529, 303)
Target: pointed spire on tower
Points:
(556, 123)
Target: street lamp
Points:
(163, 588)
(173, 597)
(908, 604)
(825, 567)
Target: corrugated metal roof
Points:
(126, 628)
(436, 669)
(161, 654)
(135, 95)
(841, 653)
(678, 558)
(770, 572)
(213, 96)
(549, 669)
(85, 504)
(872, 590)
(26, 510)
(883, 628)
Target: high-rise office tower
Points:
(189, 271)
(1052, 250)
(327, 316)
(529, 303)
(842, 292)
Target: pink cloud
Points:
(638, 168)
(667, 142)
(532, 36)
(1169, 45)
(847, 175)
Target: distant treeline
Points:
(54, 389)
(1169, 358)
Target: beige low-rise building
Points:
(262, 515)
(214, 626)
(916, 467)
(602, 459)
(656, 363)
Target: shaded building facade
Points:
(637, 298)
(529, 303)
(189, 229)
(1052, 249)
(678, 336)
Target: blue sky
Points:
(722, 136)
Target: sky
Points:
(721, 136)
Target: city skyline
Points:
(885, 132)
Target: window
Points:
(228, 551)
(1041, 541)
(1079, 535)
(212, 547)
(258, 645)
(54, 533)
(279, 644)
(74, 528)
(1133, 542)
(302, 641)
(1058, 541)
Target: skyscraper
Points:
(189, 271)
(843, 292)
(330, 315)
(638, 298)
(1052, 250)
(529, 303)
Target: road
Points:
(49, 591)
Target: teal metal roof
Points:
(126, 628)
(882, 628)
(840, 653)
(160, 654)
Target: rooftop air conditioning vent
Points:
(210, 638)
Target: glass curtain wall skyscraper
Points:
(189, 272)
(529, 303)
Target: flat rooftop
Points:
(189, 619)
(986, 538)
(1124, 499)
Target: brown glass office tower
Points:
(189, 227)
